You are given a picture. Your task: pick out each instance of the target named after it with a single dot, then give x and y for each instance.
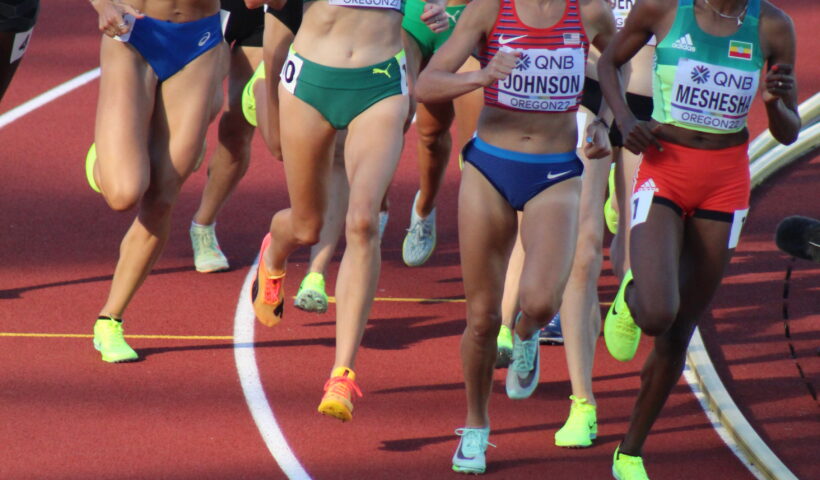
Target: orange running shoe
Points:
(338, 392)
(268, 292)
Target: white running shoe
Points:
(207, 255)
(523, 372)
(469, 456)
(420, 241)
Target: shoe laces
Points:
(473, 440)
(273, 286)
(626, 326)
(342, 386)
(524, 357)
(421, 228)
(206, 239)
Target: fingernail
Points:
(589, 139)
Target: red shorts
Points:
(711, 184)
(698, 180)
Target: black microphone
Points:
(799, 237)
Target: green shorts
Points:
(341, 94)
(427, 41)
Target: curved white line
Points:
(47, 97)
(261, 410)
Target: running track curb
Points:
(717, 398)
(753, 448)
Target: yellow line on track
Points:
(223, 337)
(410, 300)
(85, 335)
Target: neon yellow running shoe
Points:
(581, 427)
(339, 389)
(311, 296)
(90, 160)
(248, 97)
(505, 347)
(109, 341)
(621, 335)
(627, 467)
(610, 214)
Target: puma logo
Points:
(384, 71)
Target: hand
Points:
(435, 17)
(638, 136)
(597, 144)
(112, 12)
(779, 83)
(500, 66)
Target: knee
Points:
(655, 314)
(360, 225)
(307, 230)
(483, 324)
(588, 256)
(539, 302)
(234, 130)
(122, 196)
(434, 138)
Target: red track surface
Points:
(180, 413)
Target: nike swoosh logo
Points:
(550, 176)
(504, 41)
(461, 456)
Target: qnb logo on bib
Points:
(712, 96)
(544, 80)
(394, 4)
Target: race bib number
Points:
(712, 96)
(738, 220)
(389, 4)
(544, 80)
(20, 45)
(290, 72)
(641, 203)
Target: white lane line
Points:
(717, 425)
(262, 413)
(47, 97)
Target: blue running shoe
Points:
(469, 456)
(551, 334)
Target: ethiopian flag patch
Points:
(742, 50)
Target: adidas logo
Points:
(648, 186)
(684, 43)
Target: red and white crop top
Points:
(549, 74)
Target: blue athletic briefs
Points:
(517, 176)
(168, 46)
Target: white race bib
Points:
(20, 45)
(621, 9)
(389, 4)
(290, 72)
(544, 80)
(712, 96)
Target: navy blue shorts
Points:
(168, 47)
(517, 176)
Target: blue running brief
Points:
(518, 176)
(168, 46)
